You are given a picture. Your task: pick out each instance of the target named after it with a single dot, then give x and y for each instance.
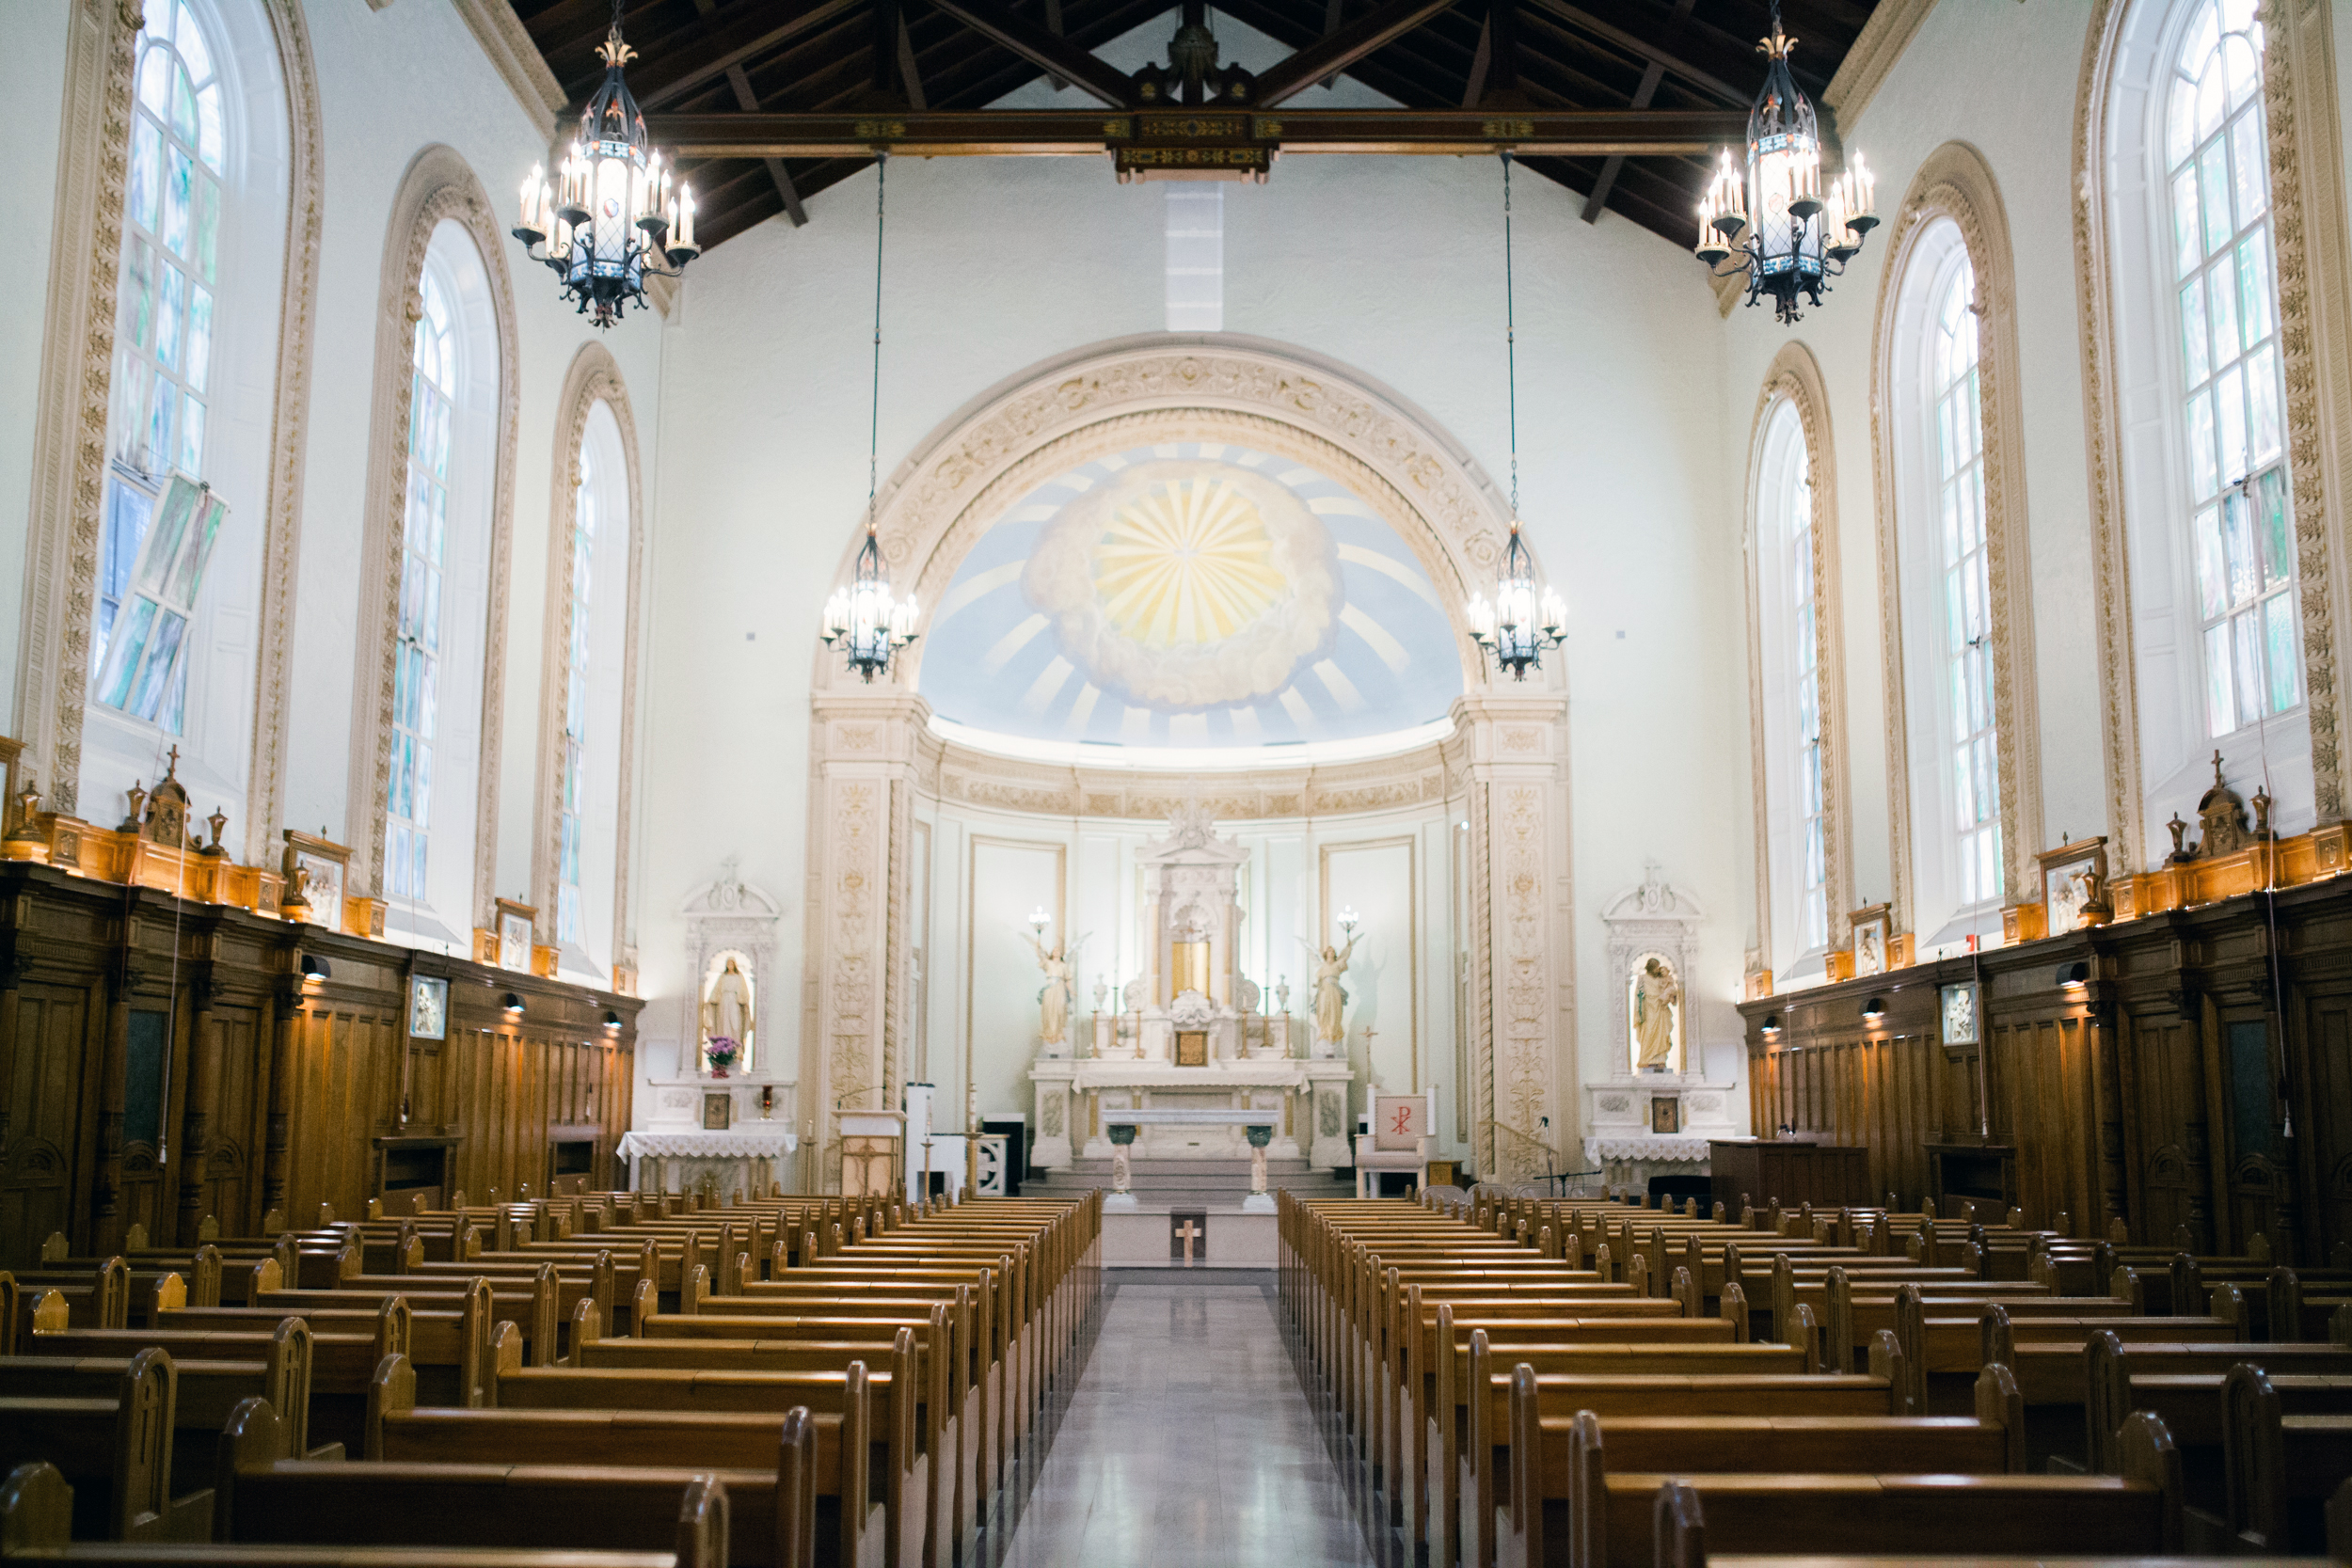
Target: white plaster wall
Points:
(2001, 78)
(37, 41)
(390, 82)
(1393, 267)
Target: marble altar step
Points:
(1178, 1183)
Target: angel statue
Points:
(1331, 996)
(1053, 999)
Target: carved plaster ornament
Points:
(1188, 825)
(2223, 815)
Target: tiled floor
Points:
(1188, 1441)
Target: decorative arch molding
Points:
(593, 377)
(1424, 484)
(1956, 184)
(1506, 762)
(2314, 258)
(76, 373)
(1794, 378)
(439, 185)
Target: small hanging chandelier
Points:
(1525, 617)
(610, 219)
(863, 620)
(1772, 222)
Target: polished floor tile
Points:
(1188, 1441)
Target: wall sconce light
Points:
(1349, 920)
(1771, 1027)
(2075, 975)
(313, 967)
(1874, 1010)
(612, 1021)
(1039, 920)
(514, 1005)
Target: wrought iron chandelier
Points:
(611, 220)
(1525, 617)
(863, 620)
(1773, 220)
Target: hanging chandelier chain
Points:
(1510, 333)
(873, 427)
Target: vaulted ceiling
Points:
(738, 57)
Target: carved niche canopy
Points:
(729, 915)
(1654, 919)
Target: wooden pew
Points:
(1576, 1512)
(2282, 1468)
(115, 1450)
(204, 1392)
(2049, 1516)
(830, 1452)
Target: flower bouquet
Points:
(721, 1052)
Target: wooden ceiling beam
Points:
(1585, 21)
(1046, 49)
(1651, 75)
(750, 28)
(1334, 52)
(987, 133)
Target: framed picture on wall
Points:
(2074, 885)
(1873, 929)
(518, 928)
(718, 1111)
(1960, 1013)
(428, 1008)
(1665, 1115)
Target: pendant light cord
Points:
(873, 426)
(1510, 335)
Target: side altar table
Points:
(673, 1161)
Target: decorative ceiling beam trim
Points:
(1334, 52)
(1879, 44)
(507, 45)
(909, 77)
(1013, 132)
(1043, 48)
(1584, 21)
(752, 30)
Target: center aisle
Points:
(1189, 1444)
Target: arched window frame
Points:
(1953, 202)
(2157, 754)
(439, 187)
(584, 830)
(1791, 437)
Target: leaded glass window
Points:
(575, 782)
(164, 329)
(416, 655)
(1971, 744)
(1805, 650)
(2219, 170)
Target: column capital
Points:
(880, 726)
(1514, 730)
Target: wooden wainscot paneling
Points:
(2185, 1070)
(163, 1061)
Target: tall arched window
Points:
(416, 671)
(431, 798)
(1966, 585)
(587, 695)
(165, 326)
(2217, 171)
(1789, 647)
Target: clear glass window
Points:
(2226, 286)
(417, 653)
(1966, 587)
(165, 324)
(1804, 653)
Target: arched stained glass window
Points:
(1970, 741)
(416, 668)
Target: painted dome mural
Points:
(1193, 595)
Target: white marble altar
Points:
(743, 1158)
(1631, 1138)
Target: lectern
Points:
(870, 1142)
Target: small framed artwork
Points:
(428, 1008)
(2074, 885)
(1192, 1048)
(517, 927)
(718, 1111)
(1665, 1115)
(1960, 1013)
(322, 864)
(1873, 932)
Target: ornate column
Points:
(196, 1116)
(278, 1144)
(858, 945)
(1523, 1051)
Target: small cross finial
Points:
(173, 771)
